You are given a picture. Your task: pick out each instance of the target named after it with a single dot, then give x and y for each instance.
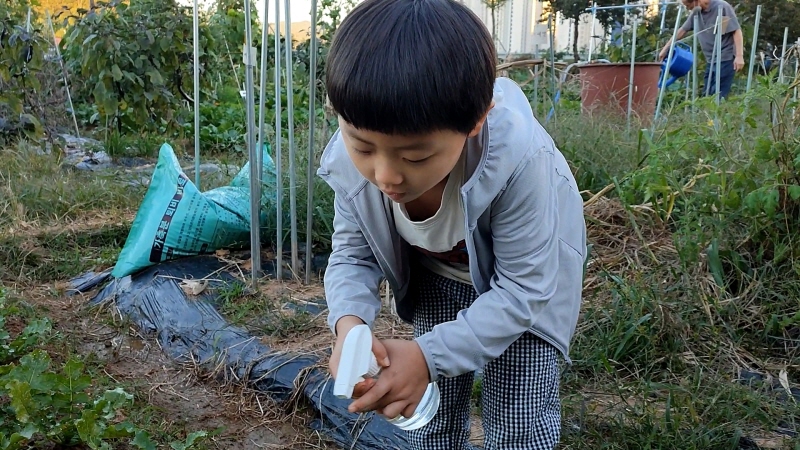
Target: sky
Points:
(301, 10)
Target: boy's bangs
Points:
(411, 67)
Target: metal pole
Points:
(669, 62)
(256, 190)
(625, 21)
(255, 203)
(752, 63)
(290, 122)
(630, 77)
(262, 96)
(630, 6)
(718, 59)
(710, 65)
(550, 28)
(64, 73)
(196, 44)
(753, 49)
(591, 37)
(796, 65)
(695, 29)
(783, 54)
(536, 87)
(278, 150)
(312, 118)
(663, 7)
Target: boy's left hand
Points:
(399, 388)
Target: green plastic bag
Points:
(175, 219)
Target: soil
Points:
(235, 418)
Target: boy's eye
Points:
(361, 152)
(417, 161)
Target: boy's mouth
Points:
(396, 196)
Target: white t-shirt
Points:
(440, 238)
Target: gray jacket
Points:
(526, 239)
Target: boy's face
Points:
(404, 166)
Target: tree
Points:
(574, 9)
(135, 61)
(776, 15)
(493, 6)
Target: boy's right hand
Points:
(343, 326)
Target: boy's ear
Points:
(479, 125)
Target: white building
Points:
(522, 28)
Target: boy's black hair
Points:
(411, 67)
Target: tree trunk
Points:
(575, 40)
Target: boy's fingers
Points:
(380, 352)
(395, 409)
(370, 400)
(361, 388)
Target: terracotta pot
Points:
(605, 86)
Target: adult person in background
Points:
(732, 54)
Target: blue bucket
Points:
(681, 64)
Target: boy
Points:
(447, 186)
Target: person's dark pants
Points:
(726, 73)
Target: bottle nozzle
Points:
(356, 361)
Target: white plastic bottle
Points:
(358, 361)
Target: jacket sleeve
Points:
(524, 227)
(352, 278)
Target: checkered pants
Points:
(520, 401)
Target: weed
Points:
(59, 404)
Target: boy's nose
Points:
(386, 176)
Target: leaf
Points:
(142, 440)
(76, 380)
(18, 439)
(770, 202)
(194, 436)
(110, 105)
(88, 428)
(99, 91)
(31, 370)
(763, 149)
(31, 335)
(194, 287)
(715, 264)
(120, 430)
(189, 442)
(111, 401)
(116, 72)
(794, 191)
(89, 39)
(155, 77)
(21, 402)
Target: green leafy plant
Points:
(49, 403)
(135, 60)
(22, 49)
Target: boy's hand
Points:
(399, 388)
(343, 326)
